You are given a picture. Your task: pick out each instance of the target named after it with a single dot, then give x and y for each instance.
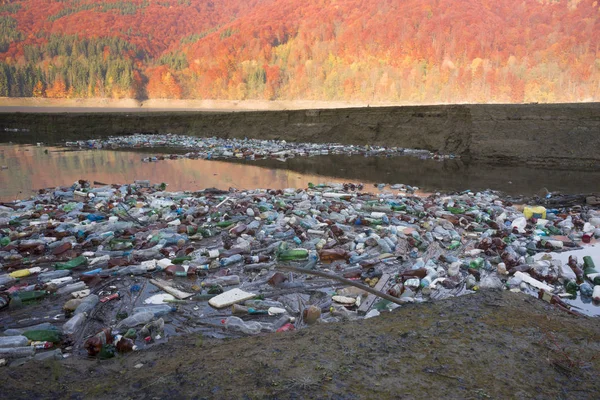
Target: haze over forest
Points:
(405, 51)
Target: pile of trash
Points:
(248, 149)
(101, 270)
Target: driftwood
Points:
(344, 280)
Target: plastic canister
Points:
(534, 212)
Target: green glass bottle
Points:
(30, 296)
(476, 263)
(225, 224)
(44, 335)
(205, 233)
(293, 254)
(571, 286)
(108, 351)
(455, 244)
(590, 270)
(456, 210)
(74, 263)
(553, 230)
(180, 260)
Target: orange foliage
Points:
(369, 50)
(58, 89)
(162, 84)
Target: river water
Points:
(27, 168)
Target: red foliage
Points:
(402, 50)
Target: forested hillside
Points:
(407, 51)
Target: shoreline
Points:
(544, 135)
(92, 105)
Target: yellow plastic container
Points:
(535, 212)
(22, 273)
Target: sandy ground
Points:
(131, 105)
(490, 345)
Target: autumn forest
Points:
(405, 51)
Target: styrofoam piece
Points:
(533, 282)
(159, 298)
(230, 297)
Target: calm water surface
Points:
(30, 168)
(34, 167)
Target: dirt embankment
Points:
(566, 135)
(489, 345)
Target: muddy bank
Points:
(565, 135)
(487, 345)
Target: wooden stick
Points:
(344, 280)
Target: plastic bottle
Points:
(431, 276)
(75, 287)
(571, 286)
(263, 304)
(74, 324)
(42, 345)
(590, 271)
(234, 323)
(596, 293)
(7, 280)
(23, 273)
(13, 341)
(256, 259)
(17, 352)
(330, 255)
(74, 263)
(236, 258)
(50, 275)
(519, 223)
(87, 304)
(55, 354)
(586, 289)
(21, 331)
(136, 319)
(157, 309)
(293, 254)
(125, 345)
(534, 212)
(222, 280)
(384, 245)
(25, 296)
(153, 329)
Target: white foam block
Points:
(230, 297)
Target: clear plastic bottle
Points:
(73, 325)
(225, 262)
(87, 304)
(157, 309)
(20, 331)
(136, 319)
(249, 327)
(7, 280)
(13, 341)
(263, 304)
(17, 352)
(222, 280)
(75, 287)
(50, 275)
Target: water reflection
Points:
(585, 306)
(33, 167)
(449, 175)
